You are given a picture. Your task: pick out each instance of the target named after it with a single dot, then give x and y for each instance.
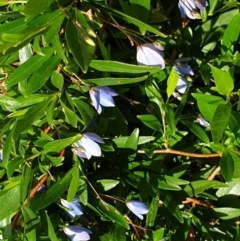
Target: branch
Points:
(182, 153)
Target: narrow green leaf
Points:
(197, 131)
(26, 69)
(110, 212)
(80, 44)
(227, 165)
(151, 121)
(10, 201)
(57, 80)
(40, 77)
(223, 80)
(231, 35)
(31, 219)
(116, 81)
(25, 182)
(152, 214)
(170, 117)
(172, 82)
(131, 144)
(227, 213)
(219, 121)
(58, 145)
(119, 67)
(33, 8)
(73, 187)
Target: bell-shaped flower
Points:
(203, 122)
(150, 54)
(77, 233)
(102, 96)
(190, 8)
(87, 146)
(138, 208)
(183, 70)
(73, 208)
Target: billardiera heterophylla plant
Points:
(102, 96)
(87, 146)
(138, 208)
(183, 70)
(190, 8)
(77, 233)
(151, 54)
(1, 155)
(73, 208)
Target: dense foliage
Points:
(119, 120)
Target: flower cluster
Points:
(190, 8)
(87, 146)
(74, 232)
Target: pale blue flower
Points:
(183, 70)
(138, 208)
(102, 96)
(77, 233)
(203, 122)
(190, 8)
(150, 54)
(74, 207)
(1, 155)
(87, 147)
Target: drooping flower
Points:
(77, 233)
(87, 147)
(74, 207)
(138, 208)
(190, 8)
(183, 70)
(203, 122)
(102, 96)
(150, 54)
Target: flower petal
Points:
(107, 90)
(182, 85)
(147, 54)
(91, 147)
(93, 137)
(138, 208)
(77, 233)
(74, 207)
(95, 97)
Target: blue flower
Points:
(87, 147)
(1, 155)
(77, 233)
(183, 70)
(138, 208)
(150, 54)
(189, 8)
(74, 207)
(203, 122)
(102, 96)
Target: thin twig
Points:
(214, 173)
(182, 153)
(198, 202)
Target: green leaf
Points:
(26, 69)
(33, 8)
(223, 80)
(26, 180)
(40, 77)
(131, 145)
(73, 187)
(231, 35)
(116, 81)
(10, 201)
(110, 212)
(119, 67)
(53, 193)
(152, 214)
(31, 219)
(80, 44)
(57, 80)
(172, 82)
(227, 165)
(170, 117)
(151, 121)
(58, 145)
(227, 213)
(197, 131)
(197, 187)
(219, 121)
(24, 122)
(107, 184)
(232, 189)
